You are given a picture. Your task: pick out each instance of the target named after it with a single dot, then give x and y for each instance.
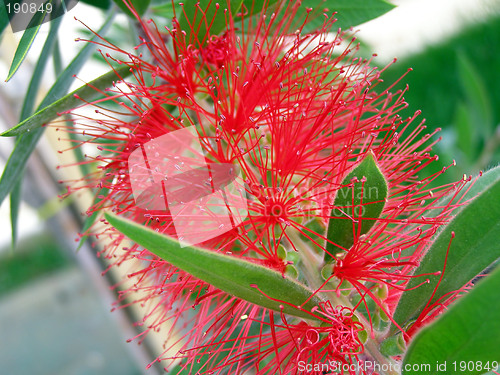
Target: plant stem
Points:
(312, 272)
(371, 347)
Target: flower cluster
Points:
(294, 111)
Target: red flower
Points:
(294, 112)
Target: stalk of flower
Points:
(296, 121)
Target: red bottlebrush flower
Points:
(333, 346)
(294, 112)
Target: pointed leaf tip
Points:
(357, 206)
(89, 91)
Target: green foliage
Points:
(203, 17)
(468, 332)
(102, 4)
(25, 43)
(349, 12)
(49, 113)
(88, 91)
(233, 275)
(27, 109)
(15, 203)
(26, 143)
(455, 84)
(4, 19)
(90, 220)
(476, 228)
(140, 6)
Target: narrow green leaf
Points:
(57, 58)
(64, 81)
(31, 129)
(26, 143)
(15, 202)
(12, 172)
(36, 78)
(474, 248)
(71, 100)
(468, 332)
(198, 19)
(27, 109)
(90, 220)
(230, 274)
(73, 136)
(26, 42)
(4, 21)
(140, 6)
(86, 225)
(357, 205)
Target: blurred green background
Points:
(456, 84)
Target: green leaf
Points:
(258, 5)
(140, 6)
(26, 143)
(228, 273)
(64, 81)
(73, 136)
(90, 220)
(4, 21)
(89, 91)
(355, 12)
(357, 206)
(198, 19)
(36, 78)
(27, 109)
(102, 4)
(474, 248)
(15, 202)
(26, 42)
(469, 331)
(57, 58)
(165, 10)
(349, 12)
